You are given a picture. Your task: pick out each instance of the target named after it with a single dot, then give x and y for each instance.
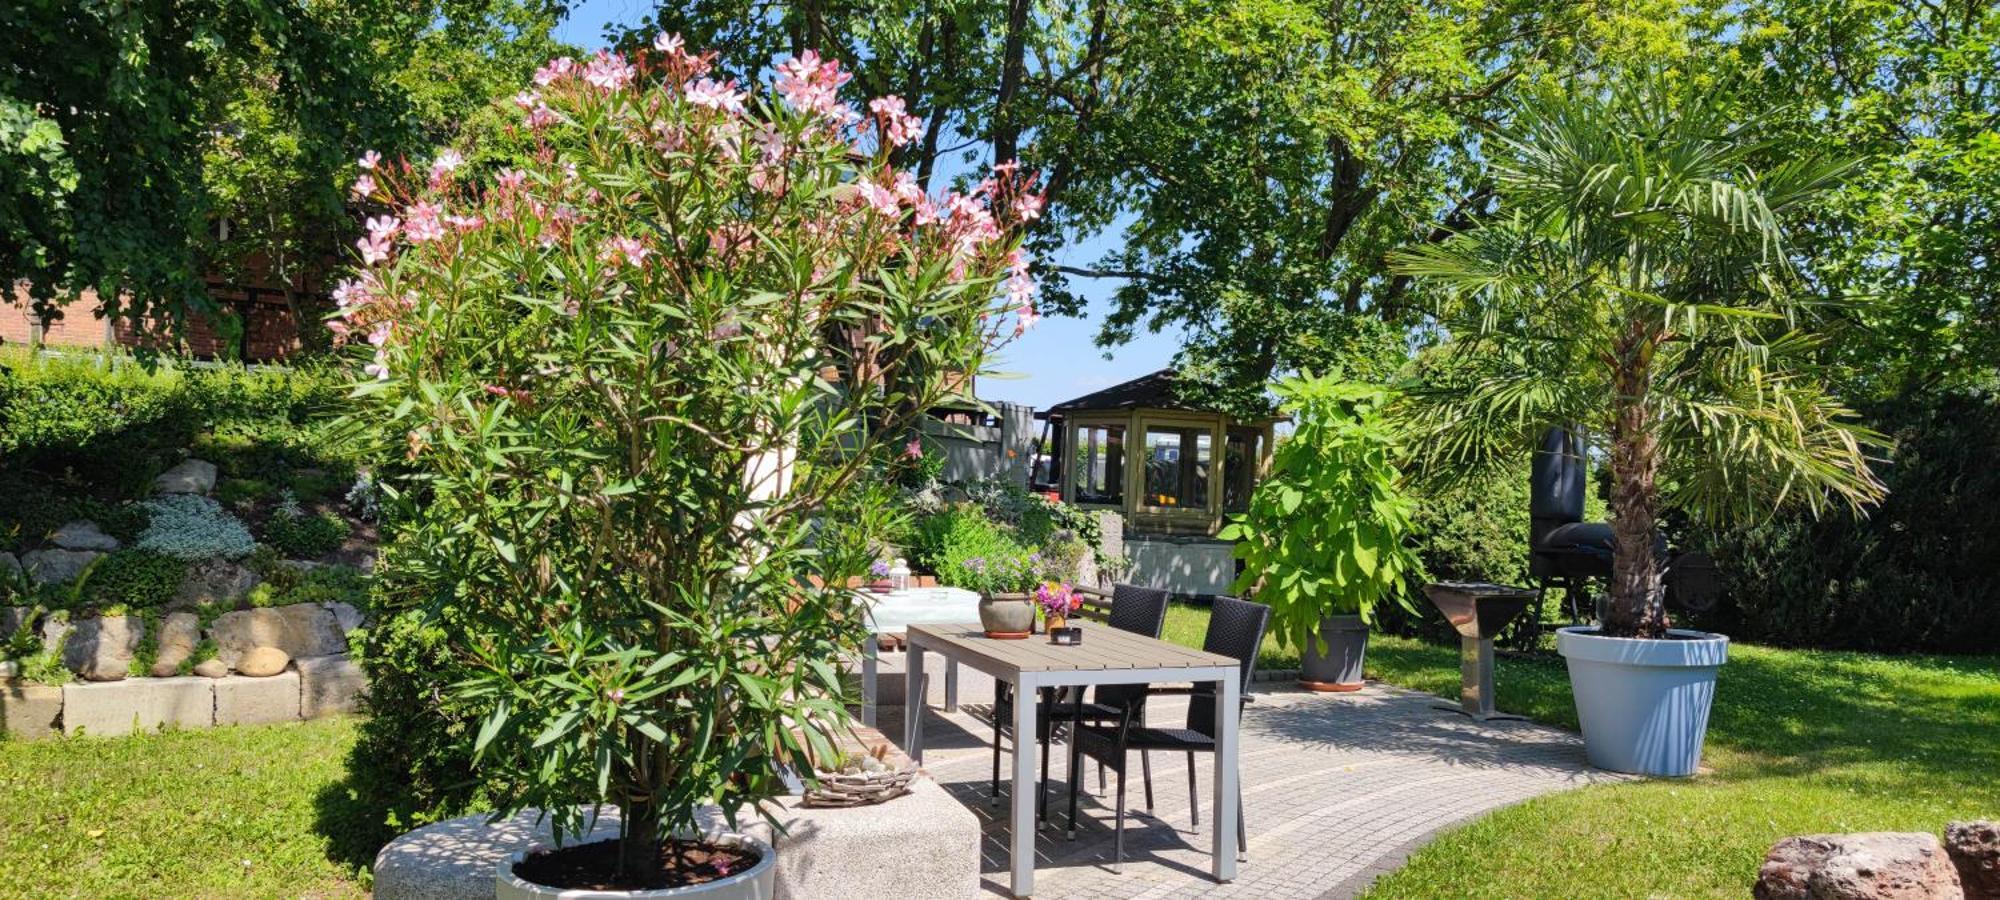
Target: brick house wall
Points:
(269, 331)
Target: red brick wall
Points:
(270, 332)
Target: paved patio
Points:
(1337, 789)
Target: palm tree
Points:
(1635, 282)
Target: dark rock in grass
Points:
(1869, 866)
(12, 619)
(179, 632)
(214, 582)
(9, 564)
(1974, 848)
(101, 649)
(83, 534)
(57, 566)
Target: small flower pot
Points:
(759, 882)
(1339, 668)
(1007, 616)
(1643, 703)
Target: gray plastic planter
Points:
(1339, 668)
(1643, 703)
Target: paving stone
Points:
(29, 711)
(329, 685)
(241, 700)
(1337, 790)
(137, 704)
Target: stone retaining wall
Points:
(317, 686)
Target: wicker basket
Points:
(859, 788)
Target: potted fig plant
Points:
(1326, 537)
(633, 394)
(1635, 281)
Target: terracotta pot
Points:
(1006, 615)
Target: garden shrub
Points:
(300, 534)
(237, 492)
(192, 527)
(1918, 573)
(134, 578)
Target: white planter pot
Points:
(759, 882)
(1643, 703)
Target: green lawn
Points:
(1800, 741)
(223, 812)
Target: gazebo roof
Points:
(1151, 391)
(1155, 390)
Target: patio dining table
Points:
(1106, 656)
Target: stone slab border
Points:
(316, 687)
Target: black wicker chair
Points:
(1135, 609)
(1236, 630)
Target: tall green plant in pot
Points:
(1325, 539)
(630, 394)
(1636, 285)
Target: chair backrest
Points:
(1138, 610)
(1236, 630)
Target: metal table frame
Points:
(1029, 667)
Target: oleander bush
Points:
(612, 393)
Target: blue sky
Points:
(1052, 363)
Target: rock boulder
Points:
(214, 581)
(12, 619)
(1974, 848)
(101, 649)
(57, 566)
(302, 629)
(263, 662)
(211, 668)
(190, 477)
(1868, 866)
(83, 534)
(179, 632)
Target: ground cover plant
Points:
(619, 388)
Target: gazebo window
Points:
(1100, 464)
(1177, 465)
(1240, 460)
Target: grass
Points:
(222, 812)
(1799, 741)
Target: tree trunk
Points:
(639, 846)
(1637, 607)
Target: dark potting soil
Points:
(594, 866)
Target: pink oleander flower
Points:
(1024, 319)
(716, 95)
(463, 223)
(369, 160)
(555, 71)
(541, 117)
(624, 250)
(811, 84)
(446, 164)
(526, 100)
(373, 249)
(880, 199)
(348, 294)
(669, 44)
(364, 186)
(379, 369)
(608, 71)
(914, 449)
(423, 225)
(907, 189)
(382, 226)
(898, 126)
(512, 179)
(378, 335)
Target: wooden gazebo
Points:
(1169, 467)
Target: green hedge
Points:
(1920, 573)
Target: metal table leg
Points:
(871, 652)
(1222, 831)
(1022, 815)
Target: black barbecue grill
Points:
(1571, 553)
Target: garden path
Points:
(1338, 789)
